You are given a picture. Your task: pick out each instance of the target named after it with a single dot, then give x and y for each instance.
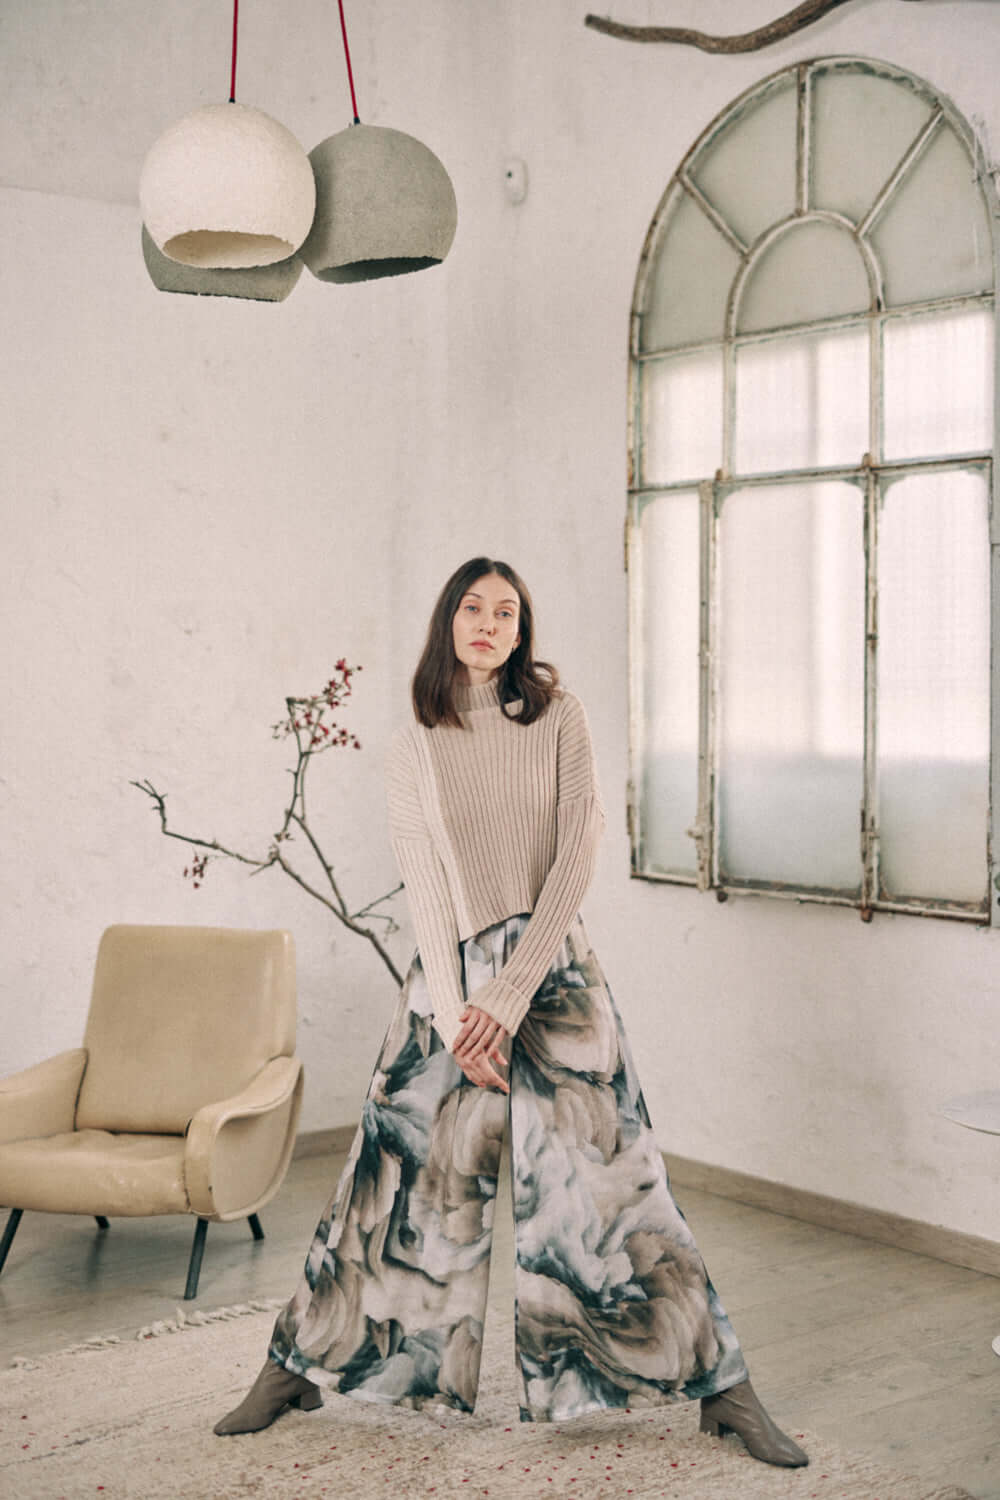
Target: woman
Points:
(495, 818)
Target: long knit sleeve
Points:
(579, 824)
(430, 901)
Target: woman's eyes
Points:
(507, 614)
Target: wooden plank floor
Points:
(878, 1350)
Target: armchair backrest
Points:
(181, 1017)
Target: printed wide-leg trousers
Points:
(614, 1306)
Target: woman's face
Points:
(485, 628)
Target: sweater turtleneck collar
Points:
(469, 697)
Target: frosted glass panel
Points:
(802, 402)
(747, 171)
(813, 271)
(690, 281)
(933, 237)
(668, 672)
(938, 384)
(681, 417)
(933, 686)
(791, 611)
(863, 124)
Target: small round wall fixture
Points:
(256, 284)
(384, 206)
(227, 187)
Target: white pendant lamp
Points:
(227, 187)
(384, 206)
(384, 202)
(258, 284)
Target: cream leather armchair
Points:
(184, 1097)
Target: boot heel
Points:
(309, 1400)
(713, 1429)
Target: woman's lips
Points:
(482, 646)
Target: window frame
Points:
(870, 475)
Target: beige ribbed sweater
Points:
(489, 821)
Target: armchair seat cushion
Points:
(95, 1172)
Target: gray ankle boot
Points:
(273, 1390)
(738, 1410)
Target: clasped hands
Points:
(478, 1046)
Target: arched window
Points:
(808, 536)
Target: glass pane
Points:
(934, 686)
(667, 611)
(813, 271)
(802, 402)
(863, 124)
(690, 281)
(791, 730)
(938, 383)
(747, 171)
(681, 417)
(933, 237)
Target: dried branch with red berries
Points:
(310, 722)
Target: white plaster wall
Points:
(205, 503)
(789, 1041)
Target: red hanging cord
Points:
(232, 77)
(347, 56)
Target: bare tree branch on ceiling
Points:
(748, 41)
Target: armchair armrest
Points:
(237, 1150)
(42, 1100)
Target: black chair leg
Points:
(197, 1248)
(194, 1265)
(10, 1229)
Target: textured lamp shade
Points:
(384, 206)
(256, 283)
(227, 187)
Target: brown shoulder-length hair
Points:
(521, 679)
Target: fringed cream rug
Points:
(134, 1419)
